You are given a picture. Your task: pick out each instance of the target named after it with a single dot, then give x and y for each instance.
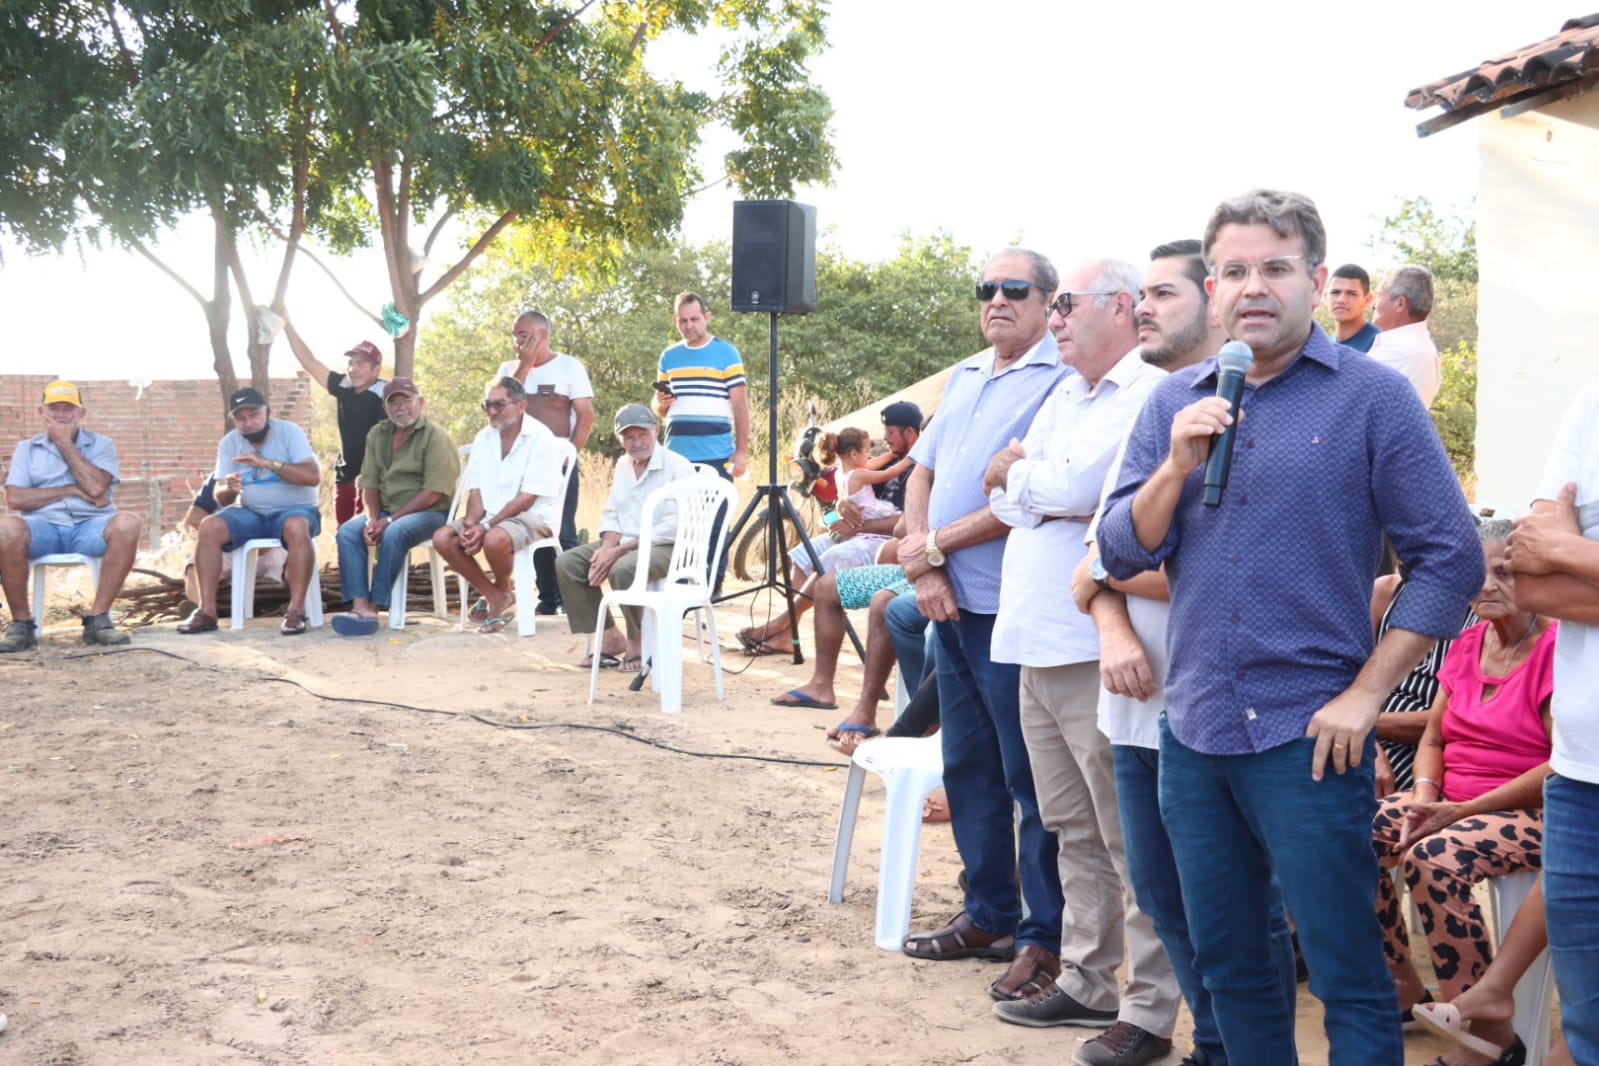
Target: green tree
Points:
(878, 326)
(391, 121)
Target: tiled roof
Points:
(1549, 69)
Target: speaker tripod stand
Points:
(772, 498)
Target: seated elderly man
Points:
(408, 474)
(615, 556)
(268, 564)
(514, 497)
(60, 485)
(266, 484)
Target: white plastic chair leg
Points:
(397, 595)
(846, 831)
(441, 591)
(38, 568)
(522, 580)
(1532, 1020)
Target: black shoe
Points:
(1123, 1044)
(548, 609)
(1054, 1007)
(20, 636)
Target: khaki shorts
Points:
(523, 529)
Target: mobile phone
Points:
(664, 388)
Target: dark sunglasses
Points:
(496, 405)
(1013, 288)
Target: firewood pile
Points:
(149, 596)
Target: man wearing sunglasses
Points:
(514, 497)
(952, 552)
(1046, 488)
(1273, 677)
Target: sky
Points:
(1080, 130)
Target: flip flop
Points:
(757, 646)
(630, 664)
(851, 736)
(494, 625)
(607, 661)
(1444, 1019)
(479, 611)
(796, 698)
(354, 625)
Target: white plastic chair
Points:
(441, 592)
(245, 557)
(1532, 1020)
(36, 576)
(686, 586)
(911, 768)
(523, 581)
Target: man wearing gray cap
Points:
(514, 494)
(646, 467)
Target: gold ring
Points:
(1339, 747)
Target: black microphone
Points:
(1232, 363)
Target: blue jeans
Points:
(244, 524)
(1153, 872)
(1571, 906)
(394, 546)
(908, 628)
(1234, 820)
(986, 772)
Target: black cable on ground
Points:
(586, 726)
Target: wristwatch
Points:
(934, 556)
(1101, 576)
(277, 464)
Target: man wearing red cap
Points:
(358, 395)
(59, 486)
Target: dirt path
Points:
(205, 866)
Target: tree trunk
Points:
(216, 317)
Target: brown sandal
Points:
(961, 938)
(293, 623)
(198, 622)
(1030, 975)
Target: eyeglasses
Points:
(496, 405)
(1063, 305)
(1013, 288)
(1276, 269)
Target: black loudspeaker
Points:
(774, 256)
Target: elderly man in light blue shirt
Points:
(60, 485)
(953, 552)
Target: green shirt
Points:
(427, 460)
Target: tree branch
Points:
(438, 227)
(559, 26)
(169, 272)
(478, 248)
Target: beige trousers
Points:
(1076, 786)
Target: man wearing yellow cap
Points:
(58, 489)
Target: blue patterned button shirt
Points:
(979, 415)
(1271, 591)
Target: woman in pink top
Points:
(1475, 811)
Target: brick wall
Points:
(166, 434)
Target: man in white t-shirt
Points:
(1554, 553)
(513, 481)
(558, 395)
(1404, 300)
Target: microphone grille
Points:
(1235, 356)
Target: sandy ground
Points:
(201, 863)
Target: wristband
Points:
(1426, 781)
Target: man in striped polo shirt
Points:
(699, 392)
(707, 412)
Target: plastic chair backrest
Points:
(698, 500)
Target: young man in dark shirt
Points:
(358, 393)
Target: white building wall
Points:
(1538, 295)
